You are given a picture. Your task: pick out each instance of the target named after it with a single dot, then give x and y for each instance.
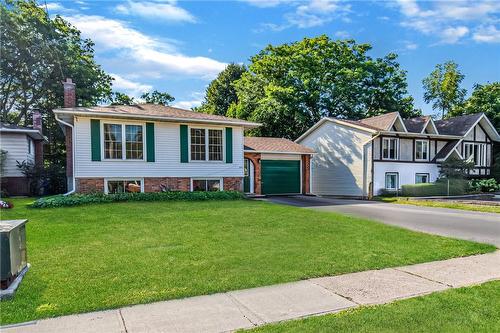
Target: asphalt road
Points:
(476, 226)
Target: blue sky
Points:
(179, 46)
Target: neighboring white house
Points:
(20, 144)
(364, 157)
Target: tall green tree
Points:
(119, 98)
(291, 86)
(157, 97)
(442, 88)
(221, 93)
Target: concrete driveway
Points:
(476, 226)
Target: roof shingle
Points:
(457, 125)
(382, 122)
(263, 144)
(416, 125)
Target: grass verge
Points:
(441, 204)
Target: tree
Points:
(442, 88)
(118, 98)
(157, 97)
(221, 93)
(291, 86)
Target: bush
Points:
(82, 199)
(439, 188)
(484, 185)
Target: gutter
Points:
(72, 150)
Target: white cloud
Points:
(144, 54)
(342, 34)
(132, 88)
(196, 100)
(487, 34)
(452, 35)
(160, 10)
(410, 45)
(266, 3)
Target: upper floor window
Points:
(475, 152)
(421, 150)
(115, 135)
(206, 140)
(390, 148)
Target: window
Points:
(203, 140)
(475, 152)
(123, 186)
(390, 148)
(207, 185)
(116, 134)
(421, 178)
(30, 145)
(391, 181)
(421, 150)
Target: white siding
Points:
(337, 167)
(16, 145)
(406, 171)
(167, 156)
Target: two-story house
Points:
(365, 157)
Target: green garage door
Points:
(280, 177)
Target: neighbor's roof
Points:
(278, 145)
(382, 122)
(416, 125)
(154, 111)
(30, 131)
(457, 125)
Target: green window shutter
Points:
(150, 142)
(95, 139)
(184, 143)
(229, 145)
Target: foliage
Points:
(118, 98)
(112, 255)
(82, 199)
(441, 187)
(157, 97)
(290, 87)
(455, 168)
(442, 88)
(484, 185)
(42, 180)
(6, 204)
(221, 93)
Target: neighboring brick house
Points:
(369, 156)
(21, 144)
(276, 166)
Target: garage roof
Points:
(275, 145)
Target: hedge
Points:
(83, 199)
(439, 188)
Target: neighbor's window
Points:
(208, 185)
(116, 134)
(391, 181)
(475, 152)
(30, 145)
(124, 186)
(421, 150)
(203, 140)
(390, 148)
(421, 178)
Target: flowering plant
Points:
(5, 204)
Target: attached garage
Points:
(275, 166)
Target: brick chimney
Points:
(69, 94)
(37, 120)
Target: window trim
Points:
(423, 173)
(397, 181)
(207, 140)
(482, 158)
(115, 179)
(396, 152)
(124, 143)
(428, 150)
(220, 179)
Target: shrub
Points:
(82, 199)
(484, 185)
(439, 188)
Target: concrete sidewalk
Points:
(252, 307)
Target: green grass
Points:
(441, 204)
(110, 255)
(472, 309)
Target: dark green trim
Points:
(150, 142)
(95, 139)
(184, 144)
(229, 145)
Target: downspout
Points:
(72, 151)
(365, 167)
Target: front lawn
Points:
(471, 309)
(109, 255)
(442, 204)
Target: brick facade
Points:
(255, 159)
(306, 173)
(233, 184)
(89, 185)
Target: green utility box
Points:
(13, 259)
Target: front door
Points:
(246, 179)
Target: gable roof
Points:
(446, 150)
(382, 122)
(457, 125)
(154, 111)
(30, 131)
(416, 125)
(278, 145)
